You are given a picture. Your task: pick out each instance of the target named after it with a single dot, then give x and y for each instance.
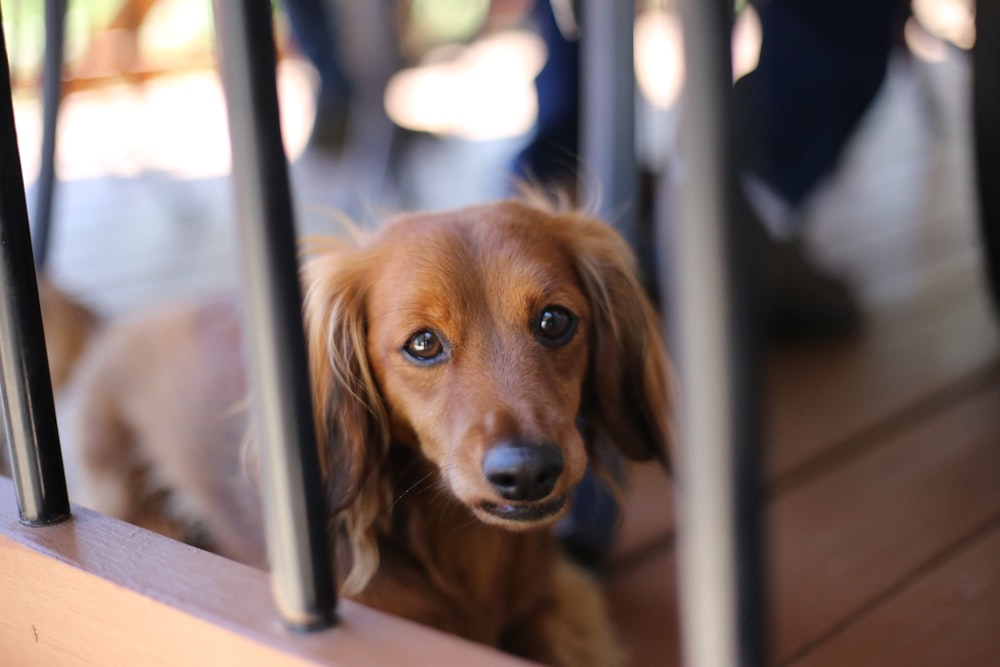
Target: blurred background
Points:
(882, 464)
(443, 99)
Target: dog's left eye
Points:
(424, 346)
(555, 325)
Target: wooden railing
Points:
(97, 591)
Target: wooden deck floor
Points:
(882, 454)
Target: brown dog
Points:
(466, 368)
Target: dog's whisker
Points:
(410, 488)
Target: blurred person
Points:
(550, 156)
(315, 32)
(821, 64)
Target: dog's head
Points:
(505, 343)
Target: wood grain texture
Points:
(647, 516)
(643, 601)
(853, 534)
(948, 616)
(850, 538)
(96, 591)
(819, 397)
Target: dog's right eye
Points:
(424, 346)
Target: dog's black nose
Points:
(523, 472)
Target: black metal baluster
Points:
(720, 569)
(986, 135)
(55, 36)
(24, 368)
(294, 507)
(608, 112)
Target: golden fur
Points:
(402, 443)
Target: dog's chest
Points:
(492, 578)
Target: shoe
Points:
(329, 130)
(799, 300)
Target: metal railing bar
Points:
(719, 548)
(29, 408)
(294, 508)
(607, 121)
(55, 37)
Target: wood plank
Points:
(96, 591)
(643, 603)
(857, 530)
(949, 616)
(647, 517)
(822, 396)
(848, 536)
(917, 356)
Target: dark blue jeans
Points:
(316, 34)
(821, 64)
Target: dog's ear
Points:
(352, 427)
(627, 395)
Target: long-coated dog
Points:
(466, 366)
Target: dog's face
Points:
(505, 343)
(478, 338)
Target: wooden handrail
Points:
(97, 591)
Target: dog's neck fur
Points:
(452, 564)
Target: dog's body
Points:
(466, 368)
(158, 427)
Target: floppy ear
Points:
(352, 427)
(628, 388)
